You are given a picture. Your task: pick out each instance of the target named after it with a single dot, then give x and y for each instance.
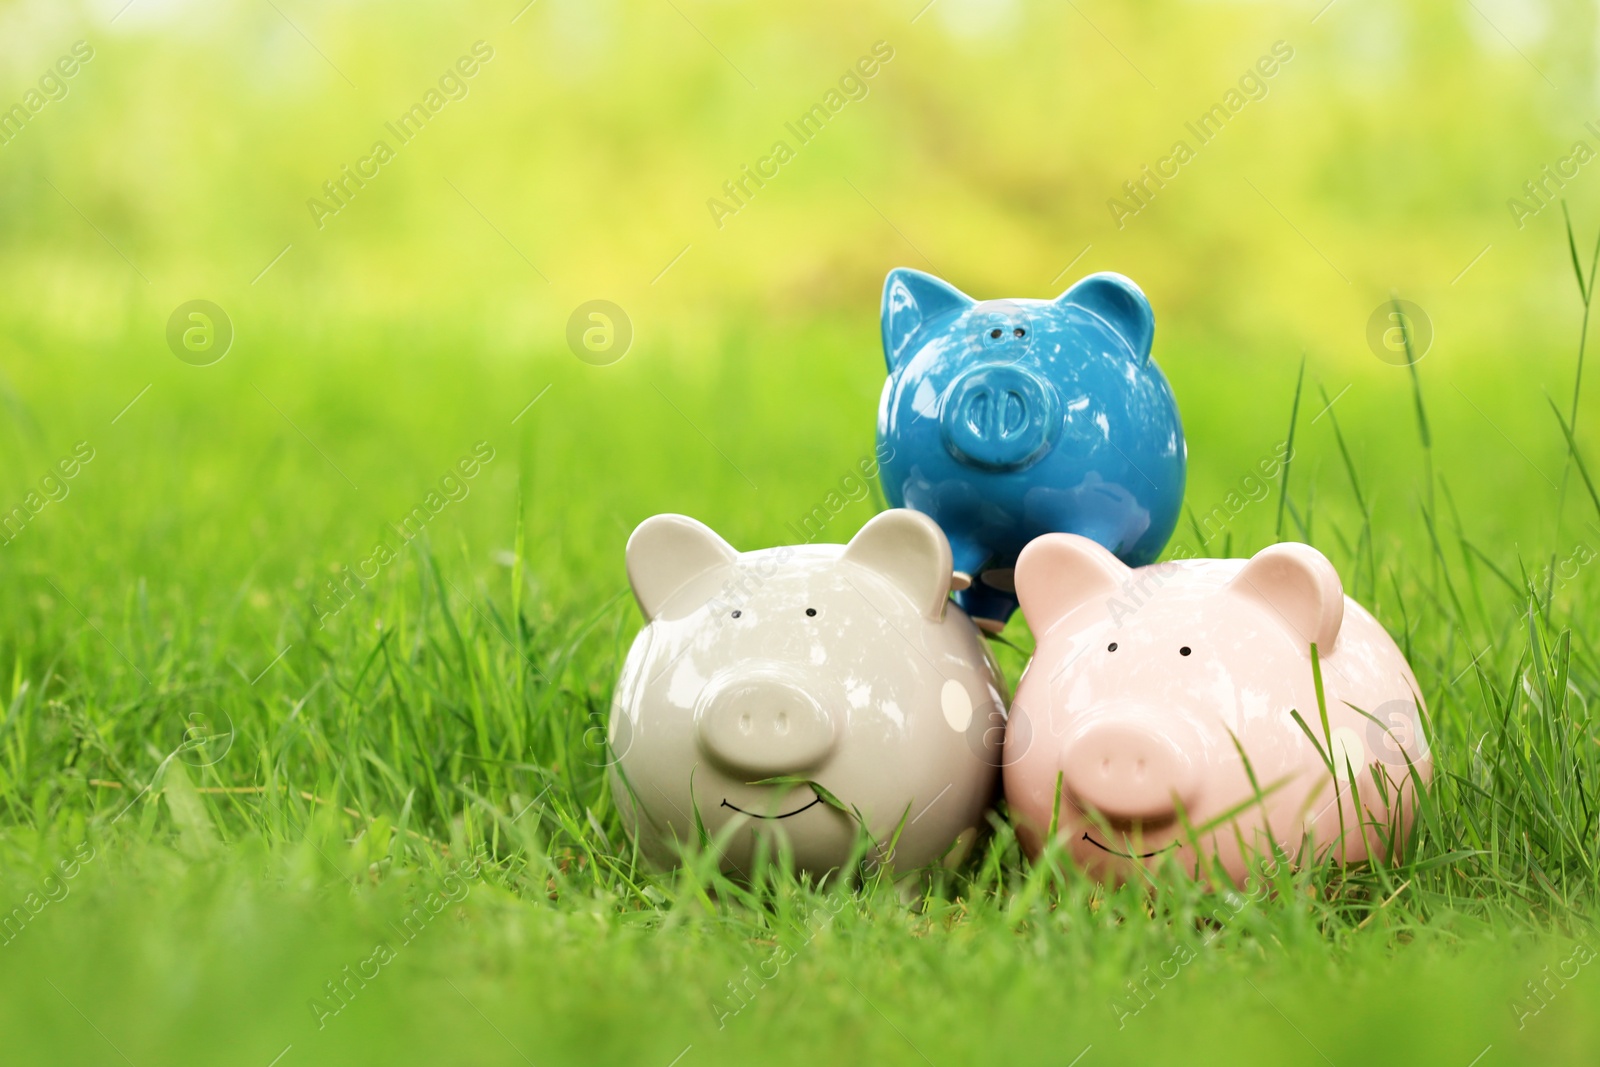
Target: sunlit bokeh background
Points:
(1369, 151)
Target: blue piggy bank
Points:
(1007, 419)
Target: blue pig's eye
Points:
(1019, 331)
(995, 332)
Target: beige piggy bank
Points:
(840, 665)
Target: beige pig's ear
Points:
(1300, 586)
(1060, 572)
(666, 553)
(910, 550)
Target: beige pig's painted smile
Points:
(786, 815)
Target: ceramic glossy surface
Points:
(1008, 419)
(843, 665)
(1143, 679)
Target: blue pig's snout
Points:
(1000, 417)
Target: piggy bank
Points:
(1009, 419)
(761, 673)
(1151, 687)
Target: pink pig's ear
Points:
(910, 550)
(1060, 572)
(1300, 586)
(666, 553)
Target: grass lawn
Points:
(398, 844)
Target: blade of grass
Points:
(1288, 456)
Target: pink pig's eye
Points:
(1112, 647)
(1184, 651)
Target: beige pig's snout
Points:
(764, 725)
(1136, 767)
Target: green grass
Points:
(439, 735)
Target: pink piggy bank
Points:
(1149, 683)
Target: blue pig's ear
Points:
(1121, 304)
(910, 299)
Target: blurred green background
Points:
(579, 166)
(185, 569)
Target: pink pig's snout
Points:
(764, 725)
(1136, 767)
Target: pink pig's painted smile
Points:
(1127, 855)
